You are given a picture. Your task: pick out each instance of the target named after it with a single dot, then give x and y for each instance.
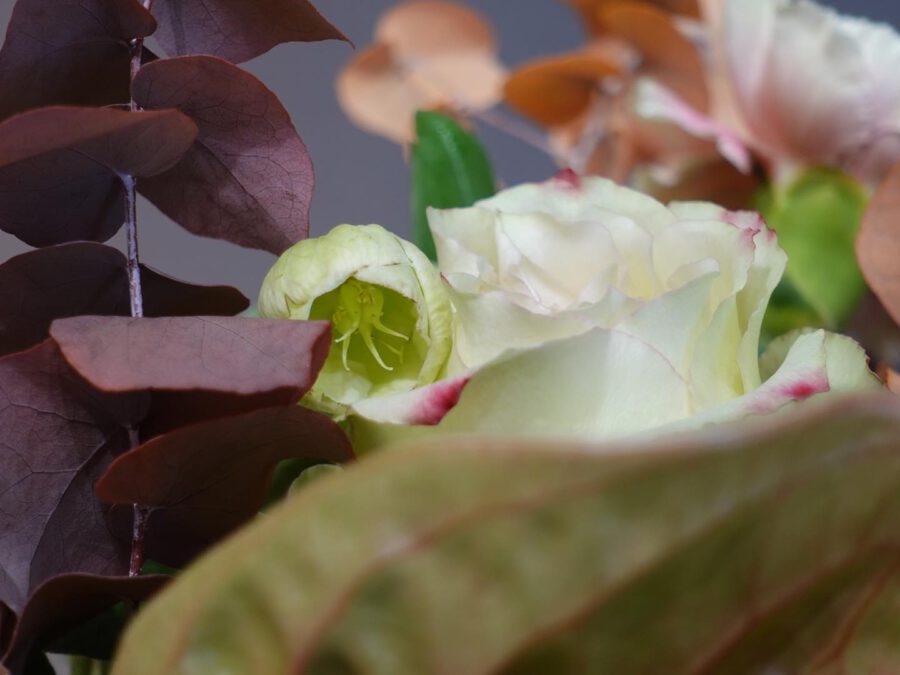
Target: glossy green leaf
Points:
(449, 169)
(742, 549)
(816, 217)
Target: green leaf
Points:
(449, 169)
(816, 217)
(748, 548)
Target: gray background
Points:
(361, 178)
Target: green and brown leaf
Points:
(769, 546)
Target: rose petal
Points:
(654, 101)
(426, 405)
(601, 384)
(813, 86)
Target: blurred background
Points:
(361, 178)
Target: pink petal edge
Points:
(422, 406)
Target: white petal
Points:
(601, 384)
(489, 324)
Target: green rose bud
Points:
(390, 315)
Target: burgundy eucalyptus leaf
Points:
(57, 436)
(238, 30)
(59, 168)
(65, 602)
(86, 278)
(248, 178)
(232, 355)
(205, 480)
(165, 296)
(73, 53)
(8, 620)
(170, 410)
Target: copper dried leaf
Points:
(431, 28)
(377, 96)
(205, 480)
(427, 55)
(238, 30)
(248, 178)
(893, 381)
(59, 168)
(86, 278)
(57, 435)
(590, 10)
(668, 55)
(73, 53)
(232, 355)
(713, 180)
(878, 243)
(64, 602)
(557, 90)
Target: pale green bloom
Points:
(390, 315)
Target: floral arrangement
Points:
(639, 416)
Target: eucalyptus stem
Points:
(134, 271)
(136, 296)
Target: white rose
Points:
(587, 308)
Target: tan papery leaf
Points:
(878, 243)
(426, 55)
(558, 89)
(668, 55)
(590, 10)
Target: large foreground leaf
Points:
(765, 547)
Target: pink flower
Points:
(799, 84)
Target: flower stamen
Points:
(359, 311)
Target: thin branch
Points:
(136, 296)
(139, 524)
(134, 271)
(514, 128)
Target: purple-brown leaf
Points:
(248, 178)
(60, 166)
(63, 603)
(233, 355)
(205, 480)
(57, 435)
(86, 278)
(73, 53)
(165, 296)
(238, 30)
